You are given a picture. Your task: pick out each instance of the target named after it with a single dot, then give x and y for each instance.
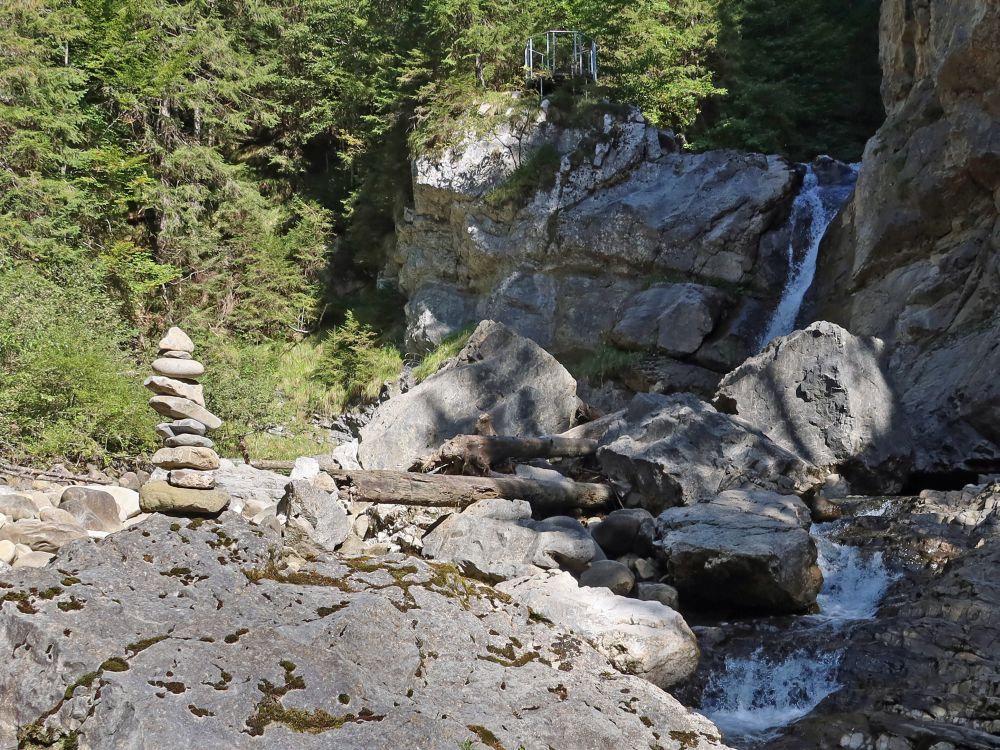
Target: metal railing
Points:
(559, 54)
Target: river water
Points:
(754, 694)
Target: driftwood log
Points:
(438, 490)
(478, 453)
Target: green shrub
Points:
(355, 364)
(446, 350)
(67, 386)
(537, 171)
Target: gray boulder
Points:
(523, 389)
(646, 639)
(745, 549)
(495, 540)
(673, 318)
(313, 516)
(823, 394)
(657, 592)
(609, 574)
(626, 530)
(93, 509)
(174, 634)
(676, 450)
(42, 536)
(16, 507)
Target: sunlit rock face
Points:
(915, 257)
(621, 221)
(823, 394)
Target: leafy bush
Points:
(446, 350)
(67, 386)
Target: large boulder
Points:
(94, 509)
(915, 256)
(174, 634)
(676, 450)
(523, 389)
(644, 638)
(313, 516)
(822, 394)
(42, 536)
(494, 540)
(745, 549)
(672, 318)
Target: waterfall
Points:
(814, 208)
(753, 696)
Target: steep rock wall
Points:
(914, 257)
(628, 224)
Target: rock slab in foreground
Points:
(676, 450)
(646, 639)
(823, 394)
(749, 550)
(165, 638)
(523, 389)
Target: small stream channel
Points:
(767, 673)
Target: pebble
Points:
(609, 574)
(175, 355)
(186, 458)
(7, 551)
(178, 368)
(170, 387)
(161, 497)
(182, 408)
(176, 340)
(193, 441)
(195, 480)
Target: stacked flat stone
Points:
(188, 455)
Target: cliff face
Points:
(915, 256)
(622, 228)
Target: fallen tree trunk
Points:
(281, 465)
(480, 452)
(437, 490)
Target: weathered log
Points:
(437, 490)
(594, 429)
(479, 453)
(280, 465)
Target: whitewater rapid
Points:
(752, 697)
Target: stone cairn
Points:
(188, 456)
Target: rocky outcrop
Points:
(644, 638)
(494, 540)
(915, 257)
(633, 240)
(748, 550)
(822, 394)
(676, 450)
(522, 388)
(181, 633)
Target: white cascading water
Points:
(754, 696)
(814, 208)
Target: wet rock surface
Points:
(927, 670)
(182, 631)
(744, 549)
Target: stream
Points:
(770, 672)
